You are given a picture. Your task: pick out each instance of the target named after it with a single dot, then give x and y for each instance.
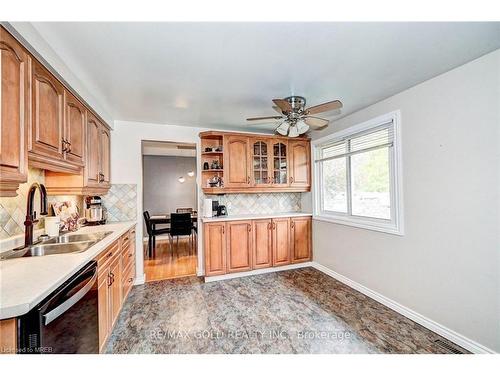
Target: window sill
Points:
(389, 228)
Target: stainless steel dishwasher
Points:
(66, 321)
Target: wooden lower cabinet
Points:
(239, 246)
(8, 336)
(245, 245)
(281, 241)
(103, 308)
(116, 275)
(215, 248)
(300, 239)
(262, 252)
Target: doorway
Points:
(170, 197)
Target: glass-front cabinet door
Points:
(260, 162)
(279, 173)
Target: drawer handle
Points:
(130, 255)
(130, 279)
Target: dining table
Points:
(165, 219)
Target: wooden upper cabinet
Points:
(239, 246)
(262, 243)
(47, 122)
(215, 248)
(93, 150)
(301, 238)
(236, 161)
(281, 241)
(74, 129)
(260, 160)
(105, 162)
(279, 163)
(15, 66)
(300, 163)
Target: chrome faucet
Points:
(30, 214)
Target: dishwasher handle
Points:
(63, 307)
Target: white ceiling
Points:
(217, 74)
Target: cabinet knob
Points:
(291, 179)
(292, 224)
(248, 179)
(249, 227)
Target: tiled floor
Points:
(298, 311)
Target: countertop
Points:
(254, 216)
(24, 282)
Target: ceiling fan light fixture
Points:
(181, 179)
(293, 131)
(191, 173)
(283, 128)
(302, 127)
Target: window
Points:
(357, 175)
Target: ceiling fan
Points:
(295, 118)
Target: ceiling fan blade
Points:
(316, 122)
(277, 109)
(283, 105)
(328, 106)
(264, 118)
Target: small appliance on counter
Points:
(207, 208)
(95, 213)
(221, 210)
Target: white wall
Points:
(126, 165)
(447, 265)
(33, 37)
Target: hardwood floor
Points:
(167, 266)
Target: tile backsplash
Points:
(121, 202)
(13, 209)
(264, 203)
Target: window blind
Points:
(379, 137)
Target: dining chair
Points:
(181, 224)
(152, 233)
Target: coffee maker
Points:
(95, 213)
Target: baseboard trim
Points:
(447, 333)
(261, 271)
(139, 280)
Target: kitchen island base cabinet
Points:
(244, 245)
(8, 336)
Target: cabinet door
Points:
(236, 161)
(301, 239)
(239, 246)
(15, 66)
(47, 122)
(279, 163)
(281, 241)
(300, 164)
(93, 150)
(260, 161)
(115, 270)
(74, 129)
(262, 243)
(215, 249)
(103, 302)
(105, 155)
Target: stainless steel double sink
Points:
(65, 244)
